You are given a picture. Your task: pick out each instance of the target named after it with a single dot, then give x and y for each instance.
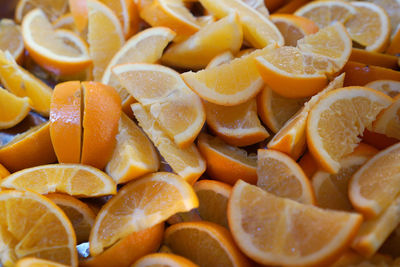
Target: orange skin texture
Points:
(360, 74)
(129, 249)
(373, 58)
(273, 5)
(31, 151)
(100, 123)
(65, 121)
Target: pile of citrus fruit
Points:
(188, 133)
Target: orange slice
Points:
(229, 84)
(35, 262)
(236, 125)
(370, 26)
(388, 121)
(66, 121)
(375, 231)
(213, 201)
(210, 244)
(293, 28)
(258, 30)
(280, 175)
(258, 228)
(291, 138)
(186, 162)
(258, 5)
(196, 52)
(79, 11)
(28, 149)
(102, 21)
(58, 51)
(73, 179)
(53, 8)
(81, 216)
(35, 227)
(227, 163)
(275, 110)
(367, 192)
(129, 249)
(324, 13)
(373, 58)
(21, 83)
(147, 46)
(392, 8)
(11, 38)
(163, 93)
(135, 208)
(171, 14)
(389, 87)
(331, 189)
(102, 111)
(220, 59)
(13, 109)
(329, 136)
(134, 154)
(163, 259)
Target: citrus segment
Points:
(274, 234)
(389, 87)
(73, 179)
(227, 163)
(236, 125)
(138, 205)
(134, 154)
(33, 226)
(388, 121)
(329, 136)
(166, 97)
(186, 162)
(13, 109)
(196, 51)
(209, 244)
(11, 38)
(280, 175)
(163, 259)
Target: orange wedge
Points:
(373, 58)
(79, 11)
(213, 201)
(28, 149)
(324, 13)
(291, 138)
(227, 163)
(66, 121)
(331, 189)
(210, 244)
(134, 154)
(136, 208)
(388, 121)
(163, 259)
(329, 136)
(73, 179)
(394, 46)
(58, 51)
(186, 162)
(275, 110)
(258, 30)
(229, 84)
(3, 172)
(146, 46)
(389, 87)
(293, 28)
(258, 5)
(53, 8)
(129, 249)
(375, 231)
(11, 38)
(35, 227)
(13, 109)
(220, 59)
(21, 83)
(81, 216)
(280, 175)
(258, 228)
(308, 164)
(370, 26)
(36, 262)
(197, 51)
(171, 14)
(163, 93)
(102, 111)
(102, 21)
(367, 192)
(236, 125)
